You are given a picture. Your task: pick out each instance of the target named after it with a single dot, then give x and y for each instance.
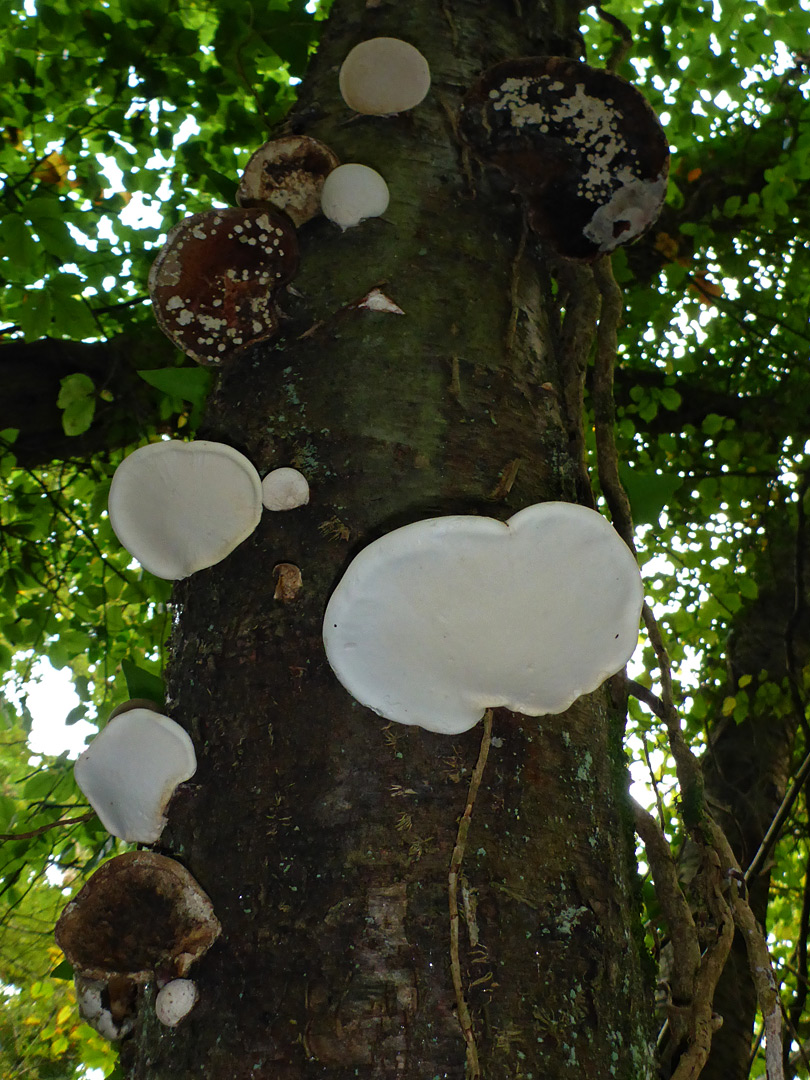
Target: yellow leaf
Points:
(729, 705)
(53, 169)
(745, 680)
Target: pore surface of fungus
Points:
(139, 913)
(130, 771)
(288, 173)
(582, 147)
(444, 618)
(179, 507)
(351, 193)
(213, 282)
(384, 75)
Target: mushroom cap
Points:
(352, 193)
(441, 619)
(213, 281)
(179, 507)
(384, 75)
(139, 912)
(130, 770)
(175, 1000)
(581, 146)
(288, 173)
(284, 489)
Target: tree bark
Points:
(323, 834)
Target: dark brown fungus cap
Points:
(288, 173)
(138, 913)
(212, 285)
(581, 146)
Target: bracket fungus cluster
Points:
(179, 507)
(581, 146)
(140, 916)
(441, 619)
(384, 75)
(288, 174)
(214, 281)
(130, 771)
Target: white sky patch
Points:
(50, 698)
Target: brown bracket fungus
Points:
(581, 146)
(284, 489)
(214, 280)
(139, 913)
(384, 75)
(352, 193)
(179, 507)
(441, 619)
(130, 770)
(288, 174)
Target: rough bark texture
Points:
(322, 834)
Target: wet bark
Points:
(323, 834)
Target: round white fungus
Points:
(384, 75)
(352, 193)
(175, 1000)
(284, 489)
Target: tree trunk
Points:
(323, 834)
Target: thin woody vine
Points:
(588, 160)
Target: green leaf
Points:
(648, 492)
(63, 970)
(77, 399)
(142, 683)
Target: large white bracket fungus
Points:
(214, 280)
(138, 914)
(179, 507)
(352, 193)
(288, 173)
(130, 770)
(581, 146)
(439, 620)
(384, 75)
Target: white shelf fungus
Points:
(130, 771)
(352, 193)
(179, 507)
(284, 489)
(439, 620)
(384, 75)
(175, 1001)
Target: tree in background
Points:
(323, 836)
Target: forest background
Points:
(120, 119)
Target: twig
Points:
(464, 1018)
(643, 693)
(45, 828)
(779, 819)
(604, 406)
(623, 46)
(514, 285)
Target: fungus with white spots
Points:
(214, 280)
(284, 489)
(175, 1000)
(179, 507)
(130, 771)
(138, 914)
(580, 145)
(108, 1006)
(352, 193)
(288, 173)
(384, 75)
(439, 620)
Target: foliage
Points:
(146, 114)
